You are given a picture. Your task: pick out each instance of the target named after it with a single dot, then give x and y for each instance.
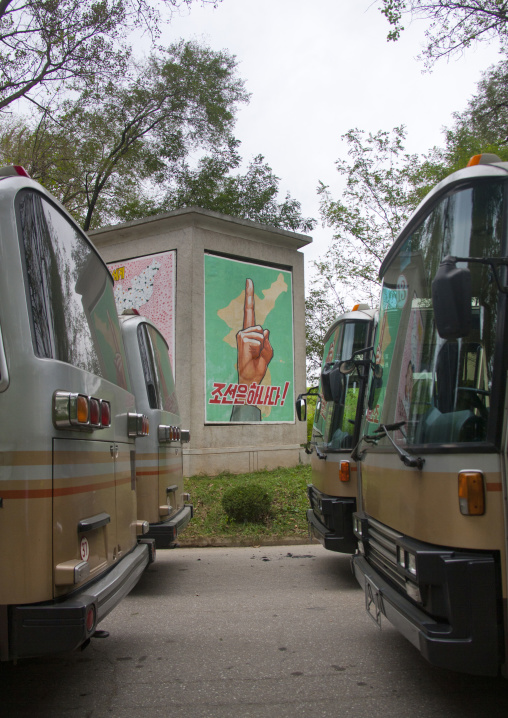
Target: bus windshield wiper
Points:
(357, 455)
(408, 460)
(412, 461)
(320, 454)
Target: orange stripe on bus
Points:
(147, 473)
(26, 458)
(494, 487)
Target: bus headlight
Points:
(406, 560)
(411, 563)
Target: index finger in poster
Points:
(249, 316)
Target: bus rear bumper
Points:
(474, 648)
(166, 533)
(47, 628)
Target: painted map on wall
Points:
(148, 285)
(249, 357)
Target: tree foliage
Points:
(122, 144)
(49, 44)
(211, 185)
(483, 125)
(383, 184)
(454, 25)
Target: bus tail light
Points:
(78, 411)
(95, 412)
(471, 493)
(345, 471)
(137, 425)
(171, 433)
(105, 413)
(90, 618)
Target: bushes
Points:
(287, 518)
(248, 502)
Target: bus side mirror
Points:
(301, 408)
(332, 383)
(451, 299)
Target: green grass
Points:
(287, 519)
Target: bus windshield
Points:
(438, 390)
(334, 424)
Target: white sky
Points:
(317, 68)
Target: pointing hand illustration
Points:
(253, 344)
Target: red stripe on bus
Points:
(27, 494)
(494, 487)
(66, 491)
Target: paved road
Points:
(276, 632)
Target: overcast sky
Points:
(317, 68)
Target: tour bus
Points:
(432, 520)
(339, 407)
(159, 461)
(71, 543)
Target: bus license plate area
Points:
(373, 601)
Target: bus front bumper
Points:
(471, 646)
(343, 541)
(46, 628)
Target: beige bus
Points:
(70, 544)
(339, 407)
(159, 461)
(432, 521)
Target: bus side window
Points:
(148, 368)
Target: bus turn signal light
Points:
(345, 471)
(471, 493)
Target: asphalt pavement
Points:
(272, 632)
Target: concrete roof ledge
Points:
(203, 219)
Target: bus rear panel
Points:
(68, 514)
(159, 456)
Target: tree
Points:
(454, 25)
(383, 184)
(253, 195)
(128, 140)
(483, 125)
(47, 45)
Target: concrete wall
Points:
(192, 232)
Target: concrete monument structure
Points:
(228, 295)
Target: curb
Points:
(241, 543)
